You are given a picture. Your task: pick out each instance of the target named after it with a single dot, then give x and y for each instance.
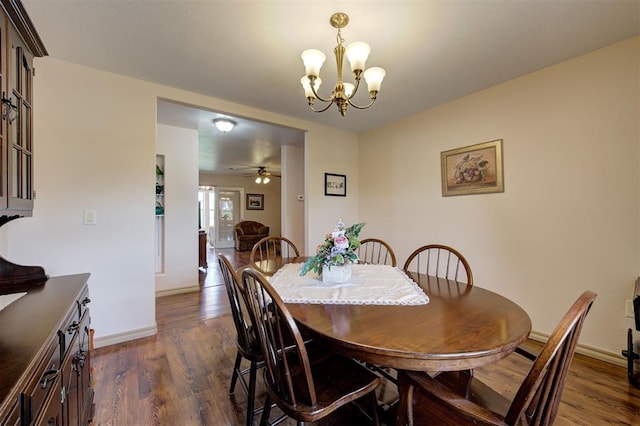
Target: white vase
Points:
(336, 274)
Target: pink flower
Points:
(341, 242)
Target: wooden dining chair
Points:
(246, 343)
(443, 399)
(440, 261)
(267, 255)
(377, 252)
(443, 263)
(306, 383)
(374, 251)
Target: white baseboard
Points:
(590, 351)
(113, 339)
(179, 290)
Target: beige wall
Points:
(95, 146)
(568, 219)
(292, 189)
(180, 233)
(329, 151)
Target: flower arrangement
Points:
(338, 249)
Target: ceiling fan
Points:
(264, 176)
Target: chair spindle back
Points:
(286, 357)
(439, 261)
(377, 252)
(270, 253)
(235, 292)
(539, 395)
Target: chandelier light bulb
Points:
(313, 60)
(374, 76)
(357, 54)
(258, 180)
(348, 89)
(306, 84)
(266, 180)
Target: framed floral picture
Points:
(474, 169)
(335, 185)
(255, 201)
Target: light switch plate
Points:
(89, 217)
(629, 308)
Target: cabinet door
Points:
(20, 126)
(6, 108)
(77, 378)
(82, 362)
(70, 379)
(51, 414)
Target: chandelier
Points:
(357, 54)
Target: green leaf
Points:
(323, 252)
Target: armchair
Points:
(248, 233)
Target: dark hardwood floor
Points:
(181, 375)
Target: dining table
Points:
(403, 320)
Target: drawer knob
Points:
(78, 361)
(73, 327)
(49, 376)
(86, 301)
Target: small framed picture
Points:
(255, 201)
(475, 169)
(335, 185)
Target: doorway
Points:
(220, 210)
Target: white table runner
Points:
(368, 285)
(7, 299)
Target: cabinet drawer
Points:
(51, 413)
(46, 379)
(13, 416)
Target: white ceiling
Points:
(251, 144)
(248, 52)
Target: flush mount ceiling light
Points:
(224, 124)
(357, 53)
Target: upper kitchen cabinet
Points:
(19, 44)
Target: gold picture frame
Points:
(474, 169)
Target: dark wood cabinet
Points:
(45, 372)
(46, 355)
(19, 124)
(202, 249)
(19, 44)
